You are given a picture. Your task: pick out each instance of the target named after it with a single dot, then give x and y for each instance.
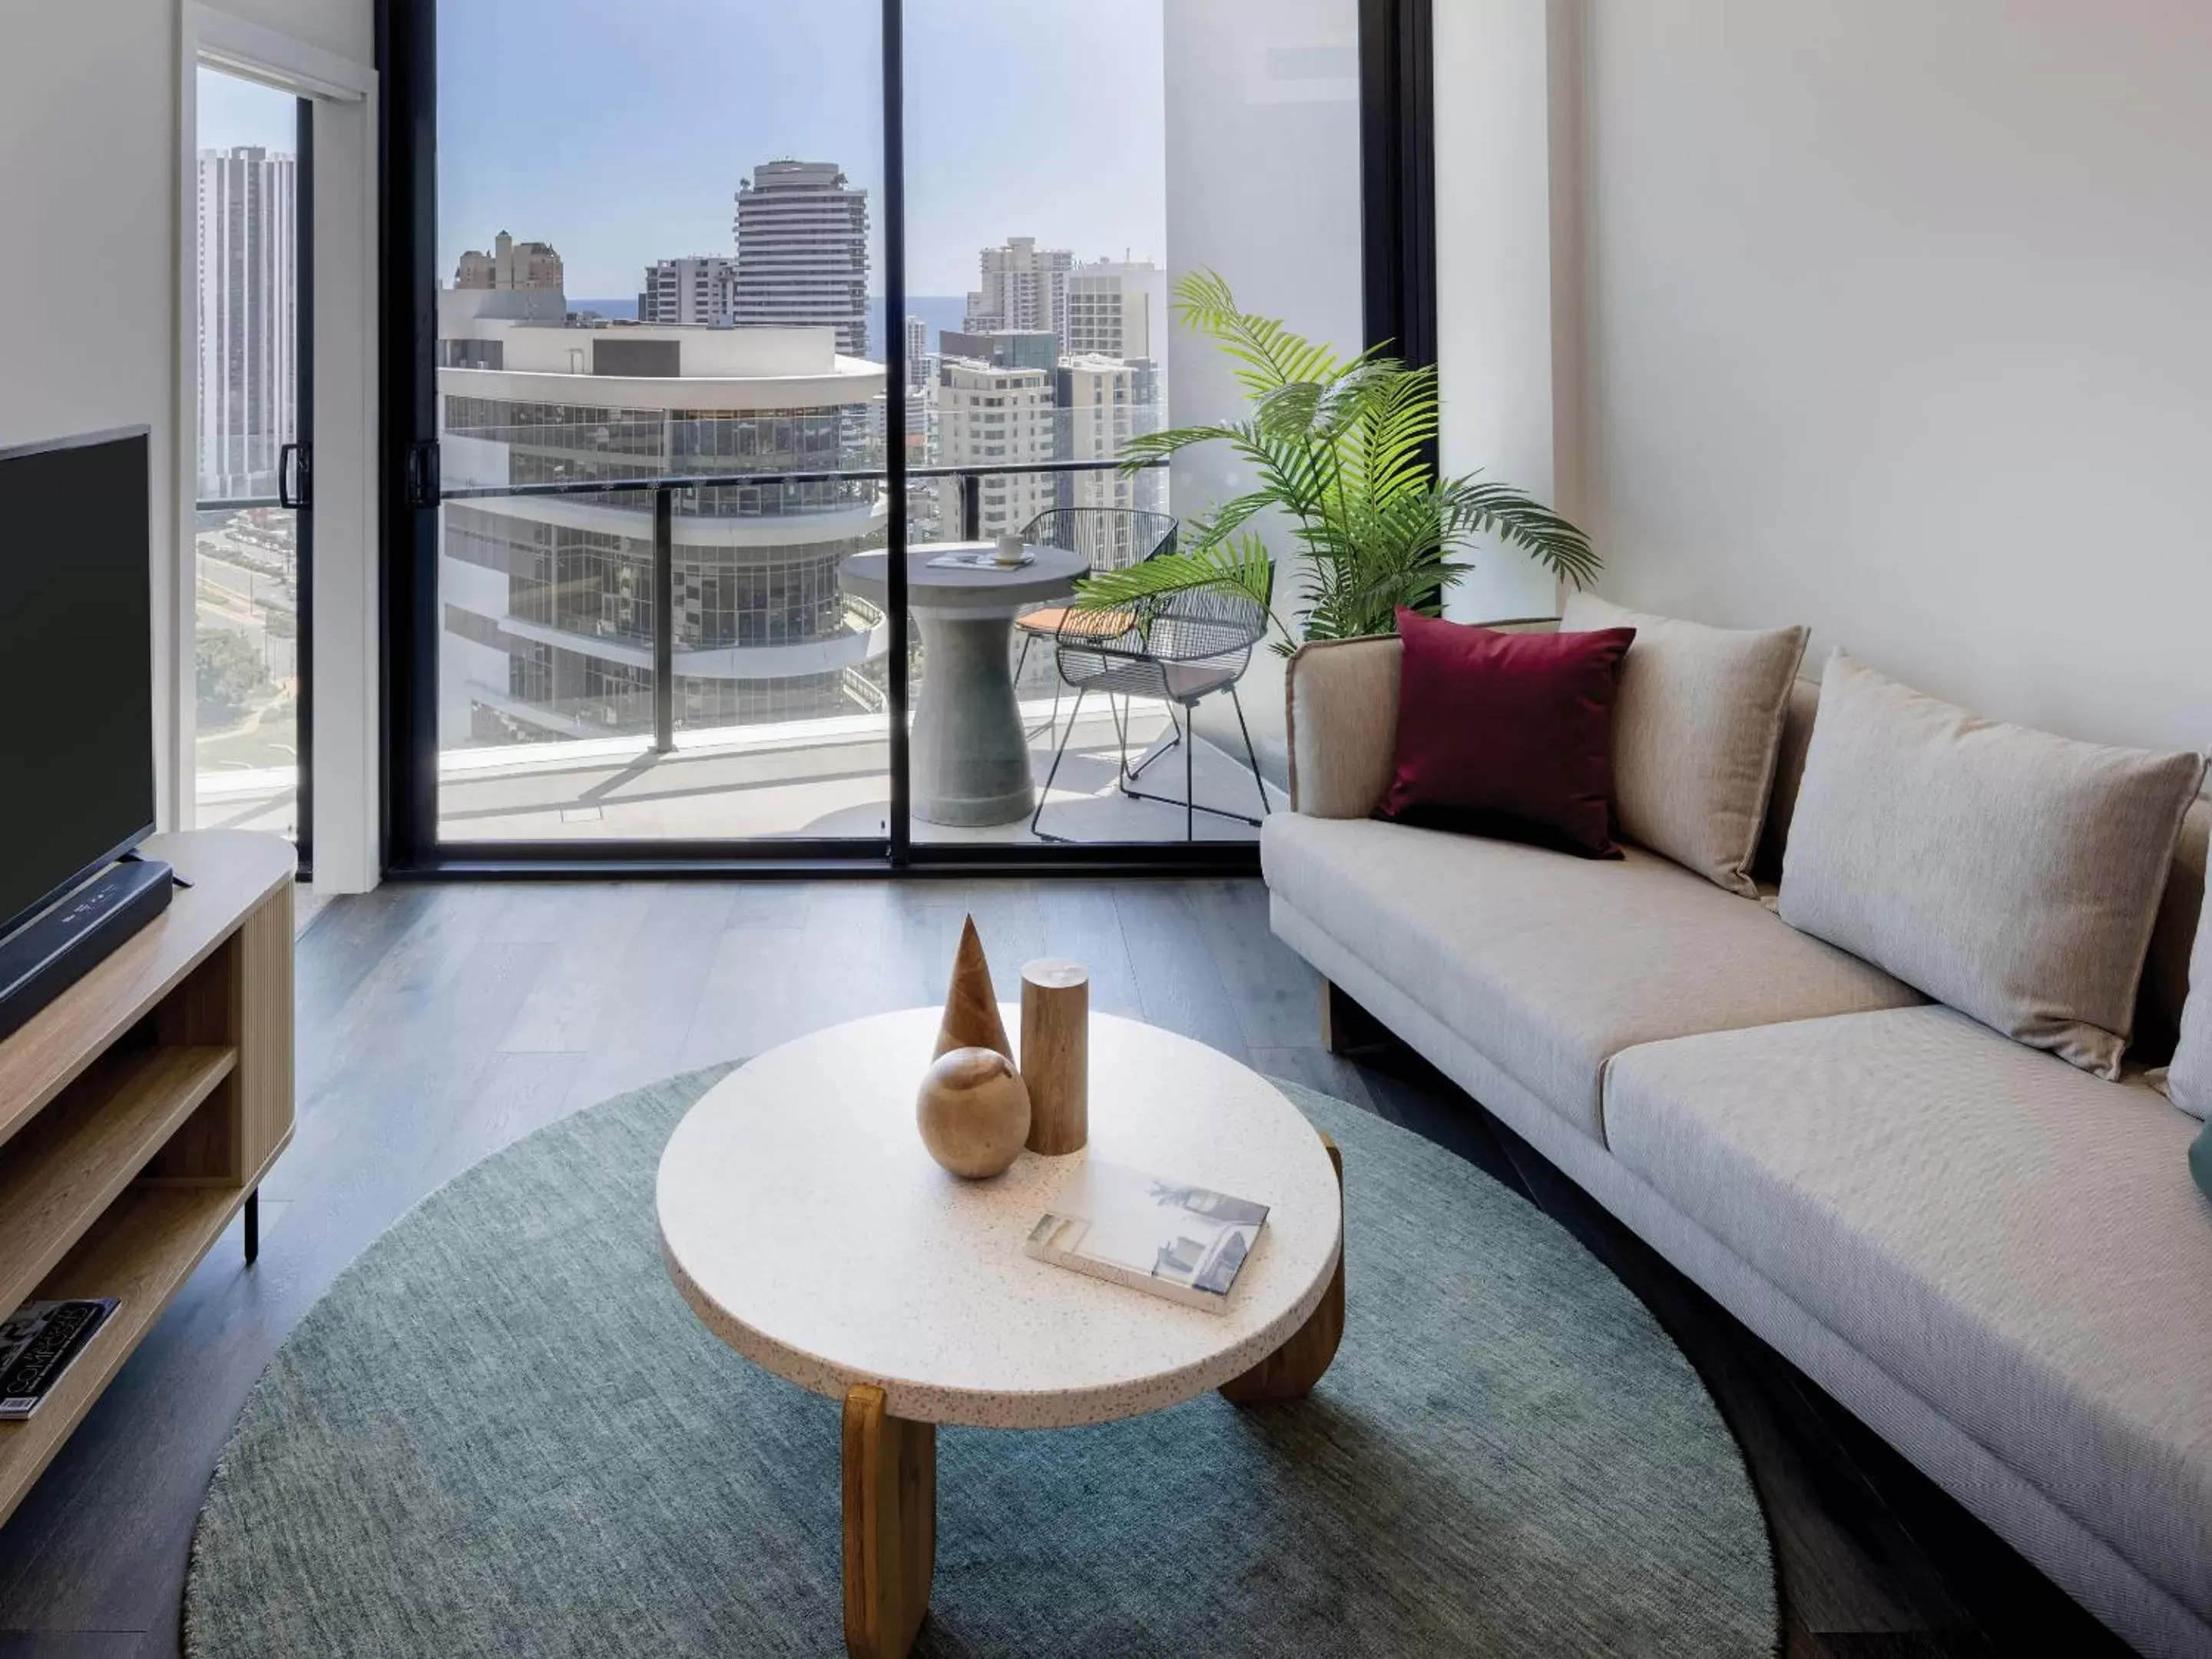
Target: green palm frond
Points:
(1239, 564)
(1471, 508)
(1343, 448)
(1231, 516)
(1147, 448)
(1271, 354)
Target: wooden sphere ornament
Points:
(1056, 1055)
(974, 1111)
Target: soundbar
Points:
(54, 949)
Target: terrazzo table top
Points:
(1050, 575)
(805, 1222)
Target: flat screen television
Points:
(77, 664)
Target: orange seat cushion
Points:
(1065, 619)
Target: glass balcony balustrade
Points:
(246, 647)
(554, 726)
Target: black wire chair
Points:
(1107, 538)
(1179, 648)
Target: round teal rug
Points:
(502, 1432)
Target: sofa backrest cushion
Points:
(2166, 974)
(1695, 733)
(1341, 705)
(2011, 873)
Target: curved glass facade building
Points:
(548, 600)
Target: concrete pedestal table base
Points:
(970, 755)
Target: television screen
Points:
(76, 663)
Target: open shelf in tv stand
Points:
(139, 1110)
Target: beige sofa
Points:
(1997, 1261)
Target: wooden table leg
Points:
(1291, 1370)
(890, 1526)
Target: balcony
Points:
(568, 713)
(812, 778)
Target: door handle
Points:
(295, 477)
(424, 486)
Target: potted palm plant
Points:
(1340, 446)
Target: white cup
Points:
(1010, 550)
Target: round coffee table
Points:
(807, 1227)
(971, 757)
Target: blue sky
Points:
(619, 131)
(232, 112)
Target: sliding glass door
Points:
(742, 332)
(1039, 324)
(253, 538)
(655, 250)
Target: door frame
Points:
(339, 643)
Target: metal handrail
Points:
(719, 480)
(664, 489)
(741, 480)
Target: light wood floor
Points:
(438, 1024)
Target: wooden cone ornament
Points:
(971, 1007)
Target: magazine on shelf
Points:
(1187, 1243)
(38, 1344)
(986, 560)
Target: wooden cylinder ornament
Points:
(1056, 1055)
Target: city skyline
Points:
(609, 187)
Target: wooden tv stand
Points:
(141, 1108)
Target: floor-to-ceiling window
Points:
(891, 283)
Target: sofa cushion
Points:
(1548, 963)
(2014, 1240)
(1695, 734)
(2013, 874)
(1341, 715)
(1506, 734)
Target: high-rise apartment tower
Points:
(802, 235)
(701, 288)
(1023, 287)
(248, 327)
(1117, 308)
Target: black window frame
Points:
(1397, 221)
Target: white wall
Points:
(1898, 323)
(91, 279)
(87, 267)
(1505, 148)
(345, 28)
(1262, 104)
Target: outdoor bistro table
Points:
(970, 755)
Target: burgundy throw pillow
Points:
(1508, 734)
